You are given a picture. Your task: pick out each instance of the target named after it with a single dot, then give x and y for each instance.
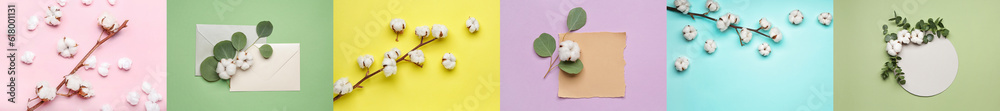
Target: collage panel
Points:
(416, 55)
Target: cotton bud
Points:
(86, 90)
(682, 5)
(712, 5)
(764, 49)
(28, 57)
(132, 98)
(53, 15)
(916, 37)
(439, 31)
(147, 88)
(795, 17)
(422, 31)
(397, 25)
(343, 86)
(448, 61)
(732, 18)
(710, 46)
(690, 32)
(388, 66)
(472, 24)
(745, 35)
(393, 54)
(66, 47)
(681, 63)
(125, 64)
(775, 35)
(894, 47)
(825, 18)
(365, 61)
(417, 56)
(903, 36)
(764, 24)
(45, 92)
(569, 51)
(107, 22)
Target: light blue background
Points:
(796, 76)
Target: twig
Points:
(79, 65)
(357, 85)
(705, 15)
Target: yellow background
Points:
(362, 27)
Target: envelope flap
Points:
(280, 72)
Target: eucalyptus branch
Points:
(705, 15)
(369, 75)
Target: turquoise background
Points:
(797, 75)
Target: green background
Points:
(859, 55)
(308, 22)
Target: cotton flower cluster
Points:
(724, 22)
(226, 68)
(910, 37)
(472, 24)
(795, 17)
(690, 32)
(53, 15)
(244, 60)
(28, 57)
(710, 46)
(45, 92)
(417, 56)
(342, 86)
(448, 61)
(682, 63)
(712, 5)
(66, 47)
(439, 31)
(389, 62)
(569, 51)
(764, 49)
(825, 18)
(682, 5)
(132, 98)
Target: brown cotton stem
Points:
(553, 61)
(380, 70)
(80, 64)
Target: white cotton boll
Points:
(73, 82)
(903, 36)
(365, 61)
(87, 90)
(66, 47)
(148, 89)
(764, 24)
(681, 63)
(125, 63)
(569, 51)
(472, 24)
(45, 92)
(449, 61)
(439, 31)
(244, 60)
(107, 107)
(710, 46)
(795, 17)
(150, 106)
(917, 36)
(90, 63)
(61, 2)
(417, 56)
(28, 57)
(894, 47)
(32, 23)
(732, 18)
(712, 5)
(112, 2)
(397, 25)
(393, 53)
(106, 21)
(226, 68)
(764, 49)
(690, 32)
(722, 25)
(389, 66)
(103, 69)
(87, 2)
(132, 98)
(422, 31)
(154, 97)
(342, 86)
(745, 35)
(825, 18)
(775, 35)
(682, 5)
(53, 15)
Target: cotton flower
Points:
(107, 22)
(903, 36)
(90, 63)
(226, 68)
(894, 47)
(825, 18)
(764, 49)
(28, 57)
(422, 31)
(154, 97)
(73, 82)
(343, 86)
(112, 2)
(472, 24)
(150, 106)
(448, 61)
(146, 88)
(682, 63)
(107, 107)
(710, 46)
(86, 90)
(388, 66)
(125, 63)
(32, 22)
(103, 69)
(917, 36)
(53, 15)
(397, 25)
(61, 2)
(690, 32)
(132, 98)
(365, 61)
(244, 60)
(775, 35)
(764, 24)
(732, 18)
(682, 5)
(66, 47)
(795, 17)
(45, 92)
(439, 31)
(569, 51)
(87, 2)
(712, 5)
(745, 35)
(417, 56)
(393, 54)
(722, 25)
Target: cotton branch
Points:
(705, 15)
(400, 59)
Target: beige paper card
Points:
(603, 75)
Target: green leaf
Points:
(890, 37)
(885, 29)
(224, 50)
(545, 45)
(208, 67)
(928, 38)
(266, 51)
(944, 32)
(902, 82)
(571, 67)
(239, 40)
(576, 19)
(264, 29)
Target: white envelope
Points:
(208, 35)
(278, 73)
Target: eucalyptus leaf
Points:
(944, 32)
(224, 50)
(885, 29)
(208, 67)
(545, 45)
(264, 29)
(928, 38)
(571, 67)
(576, 19)
(890, 37)
(239, 40)
(266, 51)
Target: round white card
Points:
(929, 68)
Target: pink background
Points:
(523, 88)
(144, 41)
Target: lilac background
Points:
(523, 87)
